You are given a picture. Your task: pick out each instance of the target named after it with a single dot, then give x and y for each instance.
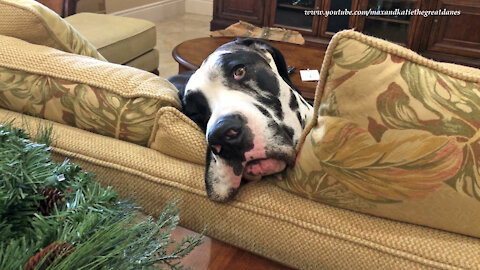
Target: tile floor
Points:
(172, 32)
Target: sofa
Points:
(382, 179)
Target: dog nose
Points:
(227, 132)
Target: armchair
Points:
(121, 40)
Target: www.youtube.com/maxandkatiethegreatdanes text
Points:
(373, 12)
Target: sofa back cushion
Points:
(109, 99)
(396, 135)
(33, 22)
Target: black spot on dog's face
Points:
(259, 81)
(263, 111)
(289, 132)
(293, 104)
(300, 119)
(267, 81)
(196, 107)
(281, 133)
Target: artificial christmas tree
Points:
(52, 197)
(54, 216)
(48, 255)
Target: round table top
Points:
(191, 54)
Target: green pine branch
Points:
(107, 233)
(24, 165)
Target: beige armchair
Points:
(121, 40)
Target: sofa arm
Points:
(80, 91)
(176, 135)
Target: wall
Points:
(152, 10)
(157, 10)
(117, 5)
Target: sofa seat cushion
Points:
(118, 39)
(396, 135)
(262, 218)
(105, 98)
(33, 22)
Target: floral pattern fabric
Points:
(80, 105)
(393, 136)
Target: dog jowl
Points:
(252, 115)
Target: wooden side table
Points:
(191, 53)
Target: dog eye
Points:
(240, 73)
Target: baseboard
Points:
(155, 12)
(203, 7)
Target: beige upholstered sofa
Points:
(393, 141)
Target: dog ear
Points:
(180, 81)
(276, 55)
(194, 104)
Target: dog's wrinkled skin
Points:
(243, 100)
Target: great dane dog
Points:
(251, 113)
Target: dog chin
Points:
(256, 169)
(223, 189)
(223, 179)
(224, 196)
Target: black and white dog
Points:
(252, 115)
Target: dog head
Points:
(244, 101)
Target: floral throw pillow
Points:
(396, 135)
